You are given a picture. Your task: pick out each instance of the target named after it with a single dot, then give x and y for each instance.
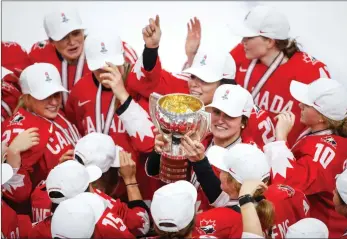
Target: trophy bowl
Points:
(175, 115)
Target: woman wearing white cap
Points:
(243, 168)
(39, 107)
(340, 196)
(64, 49)
(230, 109)
(209, 70)
(268, 60)
(319, 154)
(108, 106)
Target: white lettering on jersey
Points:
(39, 214)
(274, 105)
(280, 228)
(116, 223)
(90, 127)
(15, 234)
(62, 142)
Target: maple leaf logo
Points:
(145, 225)
(15, 182)
(137, 69)
(280, 166)
(208, 226)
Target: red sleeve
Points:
(303, 172)
(14, 57)
(41, 229)
(41, 51)
(19, 187)
(135, 218)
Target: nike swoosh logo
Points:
(50, 130)
(83, 103)
(242, 70)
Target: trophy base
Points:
(174, 168)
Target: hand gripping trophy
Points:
(175, 115)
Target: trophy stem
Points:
(175, 145)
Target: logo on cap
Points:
(47, 77)
(225, 96)
(203, 61)
(65, 19)
(103, 48)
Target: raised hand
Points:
(285, 123)
(152, 33)
(193, 37)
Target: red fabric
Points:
(14, 57)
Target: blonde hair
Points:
(339, 126)
(265, 208)
(23, 102)
(288, 46)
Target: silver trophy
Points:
(175, 115)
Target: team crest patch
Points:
(330, 140)
(285, 188)
(203, 61)
(103, 48)
(17, 119)
(64, 18)
(225, 96)
(208, 226)
(309, 59)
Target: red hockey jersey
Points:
(41, 204)
(9, 97)
(222, 222)
(14, 57)
(311, 166)
(274, 96)
(56, 137)
(291, 205)
(9, 222)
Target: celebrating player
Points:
(39, 107)
(319, 154)
(340, 196)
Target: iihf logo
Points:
(225, 96)
(203, 61)
(103, 48)
(64, 17)
(47, 77)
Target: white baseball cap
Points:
(71, 178)
(242, 161)
(213, 66)
(327, 96)
(174, 203)
(41, 80)
(6, 173)
(101, 48)
(233, 100)
(98, 149)
(97, 203)
(73, 218)
(341, 185)
(308, 228)
(58, 24)
(263, 21)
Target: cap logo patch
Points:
(103, 48)
(47, 77)
(64, 18)
(225, 96)
(203, 61)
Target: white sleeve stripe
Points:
(129, 56)
(6, 107)
(130, 51)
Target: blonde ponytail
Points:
(339, 126)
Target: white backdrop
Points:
(319, 26)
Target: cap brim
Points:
(60, 35)
(6, 173)
(225, 111)
(204, 75)
(48, 92)
(94, 173)
(216, 155)
(300, 92)
(96, 64)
